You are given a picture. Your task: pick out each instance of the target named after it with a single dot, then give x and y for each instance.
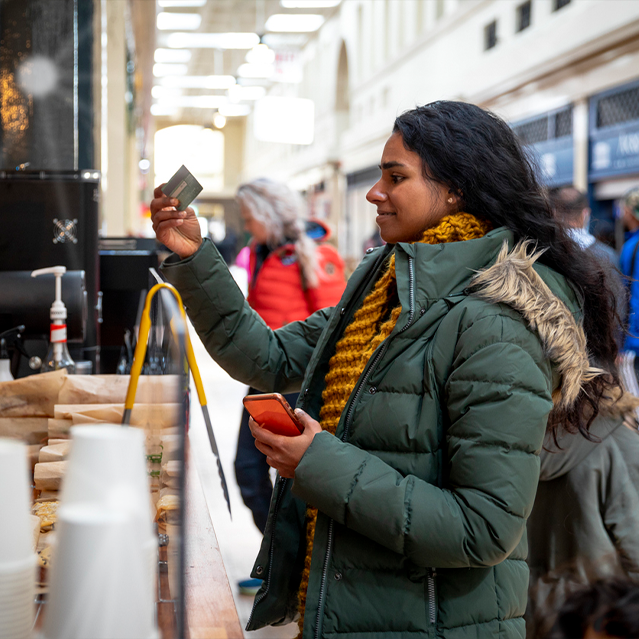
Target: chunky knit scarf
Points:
(371, 325)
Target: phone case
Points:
(273, 412)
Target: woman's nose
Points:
(376, 194)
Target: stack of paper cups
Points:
(17, 559)
(106, 555)
(99, 579)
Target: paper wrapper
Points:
(170, 476)
(59, 428)
(56, 452)
(156, 416)
(48, 475)
(33, 396)
(111, 389)
(30, 430)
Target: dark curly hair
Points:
(609, 606)
(476, 154)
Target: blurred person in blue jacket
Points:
(630, 266)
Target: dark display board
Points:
(46, 108)
(50, 219)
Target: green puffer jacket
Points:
(425, 489)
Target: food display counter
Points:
(129, 520)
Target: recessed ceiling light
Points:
(198, 81)
(294, 22)
(213, 40)
(255, 70)
(195, 101)
(172, 55)
(239, 93)
(219, 121)
(285, 40)
(309, 4)
(168, 21)
(181, 3)
(234, 110)
(260, 54)
(162, 109)
(161, 70)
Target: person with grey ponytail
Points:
(290, 277)
(281, 212)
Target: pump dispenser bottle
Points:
(58, 356)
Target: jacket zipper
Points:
(280, 488)
(349, 414)
(432, 608)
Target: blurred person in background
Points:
(584, 524)
(608, 609)
(291, 274)
(630, 266)
(571, 207)
(401, 509)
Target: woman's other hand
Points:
(177, 230)
(284, 453)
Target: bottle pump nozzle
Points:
(58, 356)
(58, 309)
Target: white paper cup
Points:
(17, 594)
(15, 530)
(107, 466)
(100, 584)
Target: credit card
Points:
(182, 186)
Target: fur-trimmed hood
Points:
(513, 280)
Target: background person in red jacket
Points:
(291, 274)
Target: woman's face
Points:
(407, 204)
(256, 229)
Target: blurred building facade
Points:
(564, 73)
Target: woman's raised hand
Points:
(177, 230)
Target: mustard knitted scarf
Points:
(371, 325)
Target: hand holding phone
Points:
(274, 413)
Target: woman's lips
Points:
(384, 214)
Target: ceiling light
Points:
(161, 91)
(181, 3)
(285, 40)
(284, 120)
(260, 54)
(294, 22)
(198, 81)
(219, 121)
(255, 70)
(161, 70)
(195, 101)
(163, 109)
(234, 110)
(172, 55)
(239, 93)
(309, 4)
(253, 82)
(178, 21)
(213, 40)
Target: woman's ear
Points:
(454, 200)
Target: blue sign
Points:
(555, 160)
(615, 151)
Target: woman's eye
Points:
(396, 178)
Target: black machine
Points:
(50, 218)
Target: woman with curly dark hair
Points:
(401, 509)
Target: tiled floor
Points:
(239, 539)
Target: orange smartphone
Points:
(273, 412)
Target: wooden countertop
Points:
(211, 612)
